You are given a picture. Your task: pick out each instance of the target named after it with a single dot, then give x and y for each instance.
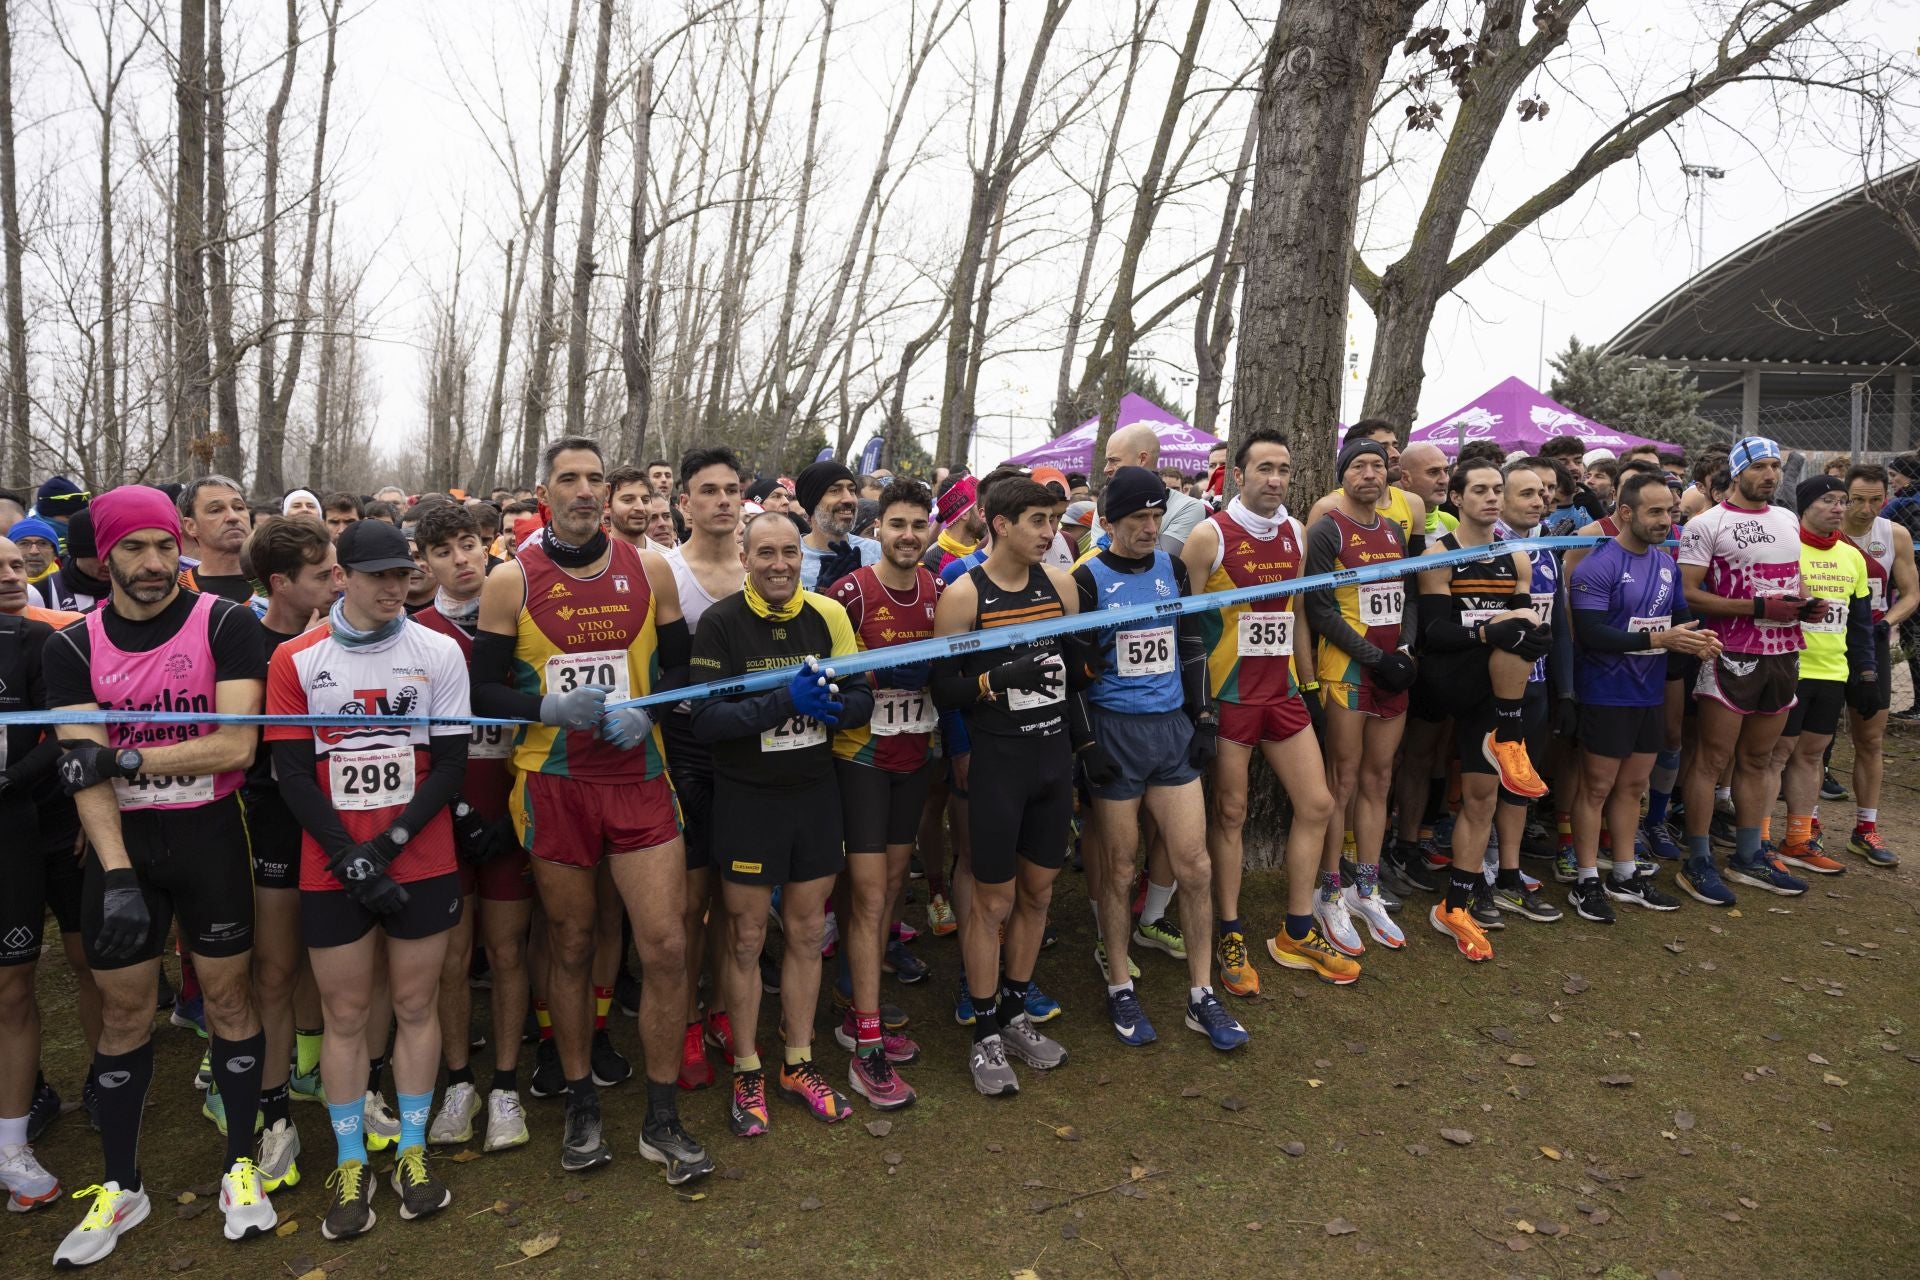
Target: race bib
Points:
(1144, 653)
(1877, 594)
(1831, 619)
(1266, 635)
(1647, 626)
(606, 669)
(1471, 618)
(490, 742)
(1029, 700)
(897, 711)
(1382, 603)
(377, 779)
(794, 733)
(143, 792)
(1543, 605)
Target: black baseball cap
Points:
(373, 546)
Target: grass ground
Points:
(1772, 1054)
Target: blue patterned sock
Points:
(1366, 878)
(414, 1110)
(347, 1140)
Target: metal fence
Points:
(1819, 423)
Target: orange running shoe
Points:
(1458, 924)
(1314, 954)
(1237, 973)
(1516, 767)
(1810, 857)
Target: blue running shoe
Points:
(190, 1015)
(1767, 872)
(1129, 1019)
(963, 1004)
(1660, 842)
(1041, 1007)
(1210, 1018)
(1702, 882)
(1565, 869)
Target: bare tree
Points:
(637, 316)
(533, 419)
(1213, 317)
(583, 245)
(193, 411)
(272, 431)
(228, 456)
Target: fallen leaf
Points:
(1599, 1218)
(1733, 913)
(1823, 1126)
(1416, 1149)
(1190, 1092)
(188, 1212)
(463, 1155)
(1683, 1121)
(1827, 1077)
(1708, 966)
(185, 1197)
(1574, 985)
(1518, 1244)
(1025, 1273)
(1340, 1227)
(1294, 1149)
(577, 1194)
(314, 1274)
(995, 1148)
(1550, 1153)
(893, 1157)
(1500, 1035)
(1817, 1060)
(1669, 1135)
(1253, 1226)
(1232, 1104)
(1314, 1084)
(545, 1242)
(287, 1228)
(1714, 928)
(1619, 1080)
(1773, 1036)
(1676, 946)
(1069, 1230)
(809, 1205)
(1523, 1226)
(1731, 1216)
(1519, 1060)
(1066, 1133)
(1458, 1137)
(180, 1264)
(879, 1128)
(1554, 1017)
(1356, 1046)
(734, 1174)
(1321, 1063)
(1748, 1203)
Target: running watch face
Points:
(129, 761)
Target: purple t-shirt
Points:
(1747, 554)
(1636, 593)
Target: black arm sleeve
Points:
(1860, 654)
(1193, 650)
(493, 692)
(1590, 628)
(675, 644)
(1441, 630)
(1323, 611)
(953, 688)
(720, 719)
(1079, 719)
(442, 783)
(294, 763)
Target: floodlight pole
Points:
(1697, 178)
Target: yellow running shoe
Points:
(1517, 773)
(1315, 954)
(940, 916)
(1458, 924)
(1237, 973)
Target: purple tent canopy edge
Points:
(1180, 445)
(1515, 415)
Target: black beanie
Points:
(811, 485)
(1132, 489)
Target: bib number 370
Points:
(607, 670)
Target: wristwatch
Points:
(127, 761)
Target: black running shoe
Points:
(665, 1142)
(1522, 900)
(548, 1080)
(1411, 865)
(45, 1108)
(582, 1148)
(769, 976)
(1481, 907)
(626, 993)
(1588, 898)
(609, 1067)
(1643, 891)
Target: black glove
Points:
(88, 764)
(1084, 656)
(1033, 672)
(1316, 714)
(365, 862)
(124, 919)
(1566, 718)
(1394, 672)
(1205, 744)
(379, 895)
(912, 676)
(1102, 769)
(1863, 693)
(1507, 633)
(478, 839)
(1535, 644)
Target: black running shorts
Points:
(879, 808)
(771, 837)
(192, 862)
(331, 918)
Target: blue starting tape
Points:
(902, 655)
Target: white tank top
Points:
(694, 599)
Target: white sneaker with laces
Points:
(379, 1125)
(506, 1121)
(454, 1124)
(28, 1185)
(112, 1214)
(1373, 912)
(1336, 925)
(244, 1202)
(279, 1149)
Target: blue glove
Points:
(625, 727)
(914, 675)
(814, 694)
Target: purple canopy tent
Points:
(1180, 445)
(1515, 416)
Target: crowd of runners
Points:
(339, 883)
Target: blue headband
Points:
(1748, 450)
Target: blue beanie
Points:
(34, 527)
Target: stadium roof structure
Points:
(1784, 326)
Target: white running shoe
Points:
(454, 1124)
(1373, 912)
(28, 1185)
(112, 1214)
(1336, 925)
(244, 1201)
(279, 1149)
(506, 1121)
(379, 1125)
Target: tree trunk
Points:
(303, 292)
(739, 233)
(1213, 318)
(18, 401)
(991, 179)
(1067, 412)
(487, 463)
(636, 346)
(112, 427)
(533, 417)
(272, 432)
(229, 458)
(582, 298)
(193, 414)
(1146, 208)
(329, 364)
(786, 398)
